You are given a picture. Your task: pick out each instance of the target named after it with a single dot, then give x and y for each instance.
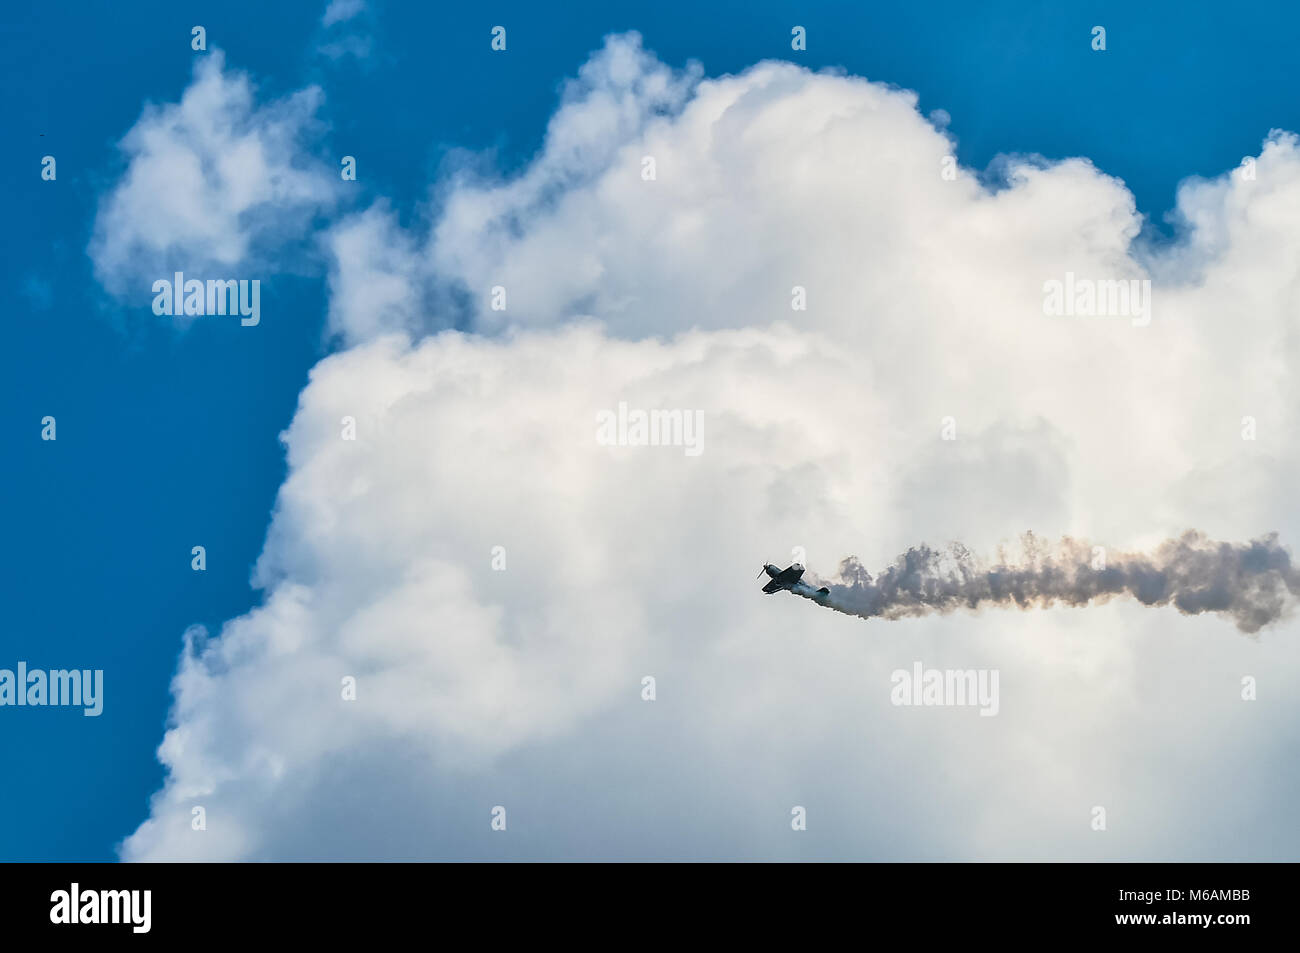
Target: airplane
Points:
(789, 580)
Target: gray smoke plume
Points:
(1254, 583)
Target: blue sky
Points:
(169, 438)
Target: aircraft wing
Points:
(774, 586)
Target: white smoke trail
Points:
(1254, 583)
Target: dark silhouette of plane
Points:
(790, 579)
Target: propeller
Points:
(761, 571)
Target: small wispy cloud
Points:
(340, 10)
(345, 30)
(216, 180)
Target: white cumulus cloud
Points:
(521, 686)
